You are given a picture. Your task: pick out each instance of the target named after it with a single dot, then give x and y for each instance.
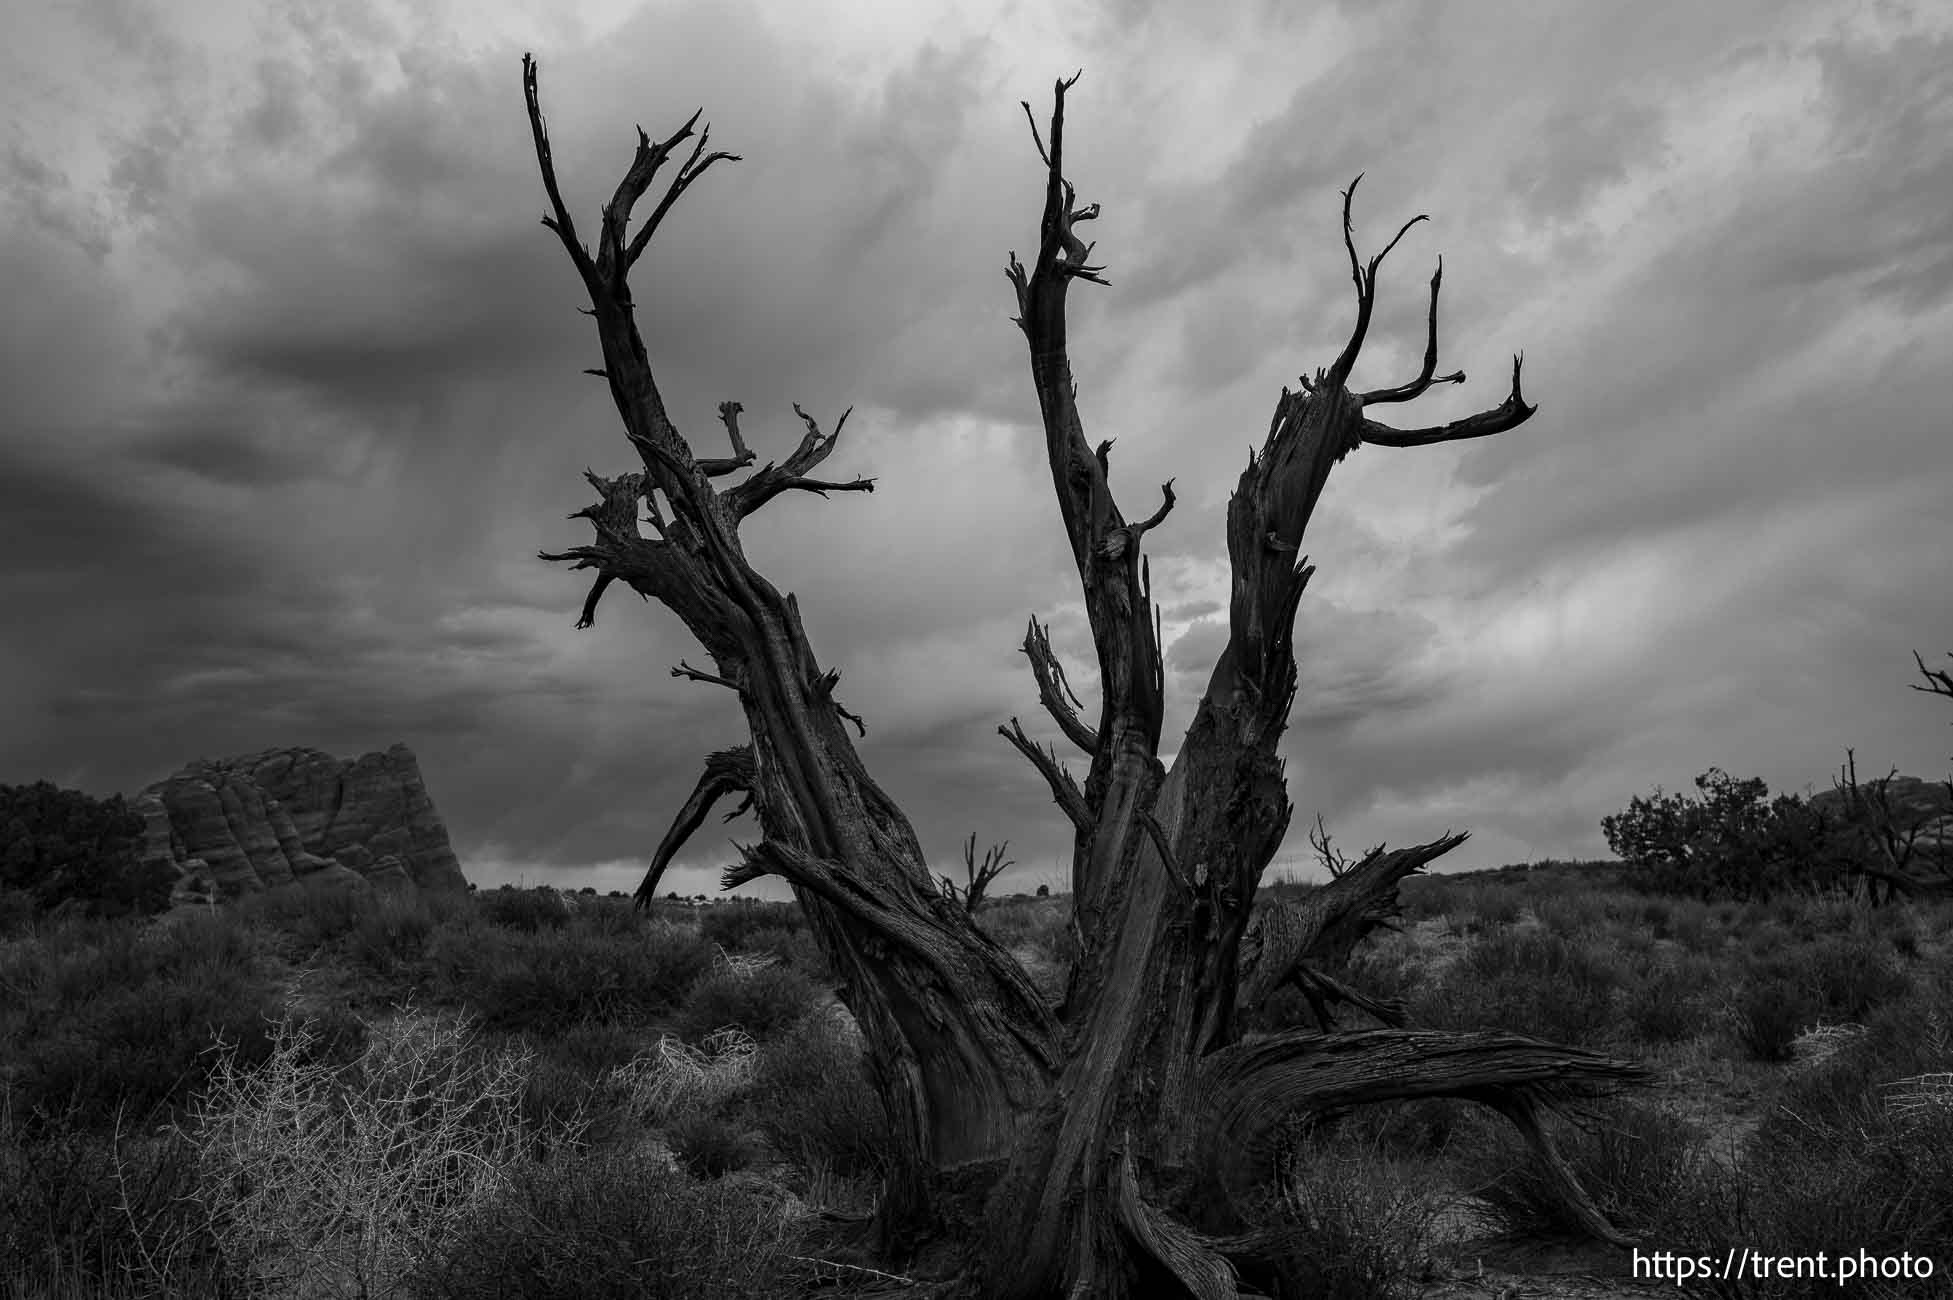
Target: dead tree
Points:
(1900, 852)
(977, 876)
(1938, 680)
(1332, 859)
(1106, 1143)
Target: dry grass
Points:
(329, 1182)
(355, 1150)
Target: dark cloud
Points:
(295, 399)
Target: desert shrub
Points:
(571, 1093)
(312, 915)
(710, 1146)
(675, 1079)
(617, 1225)
(18, 912)
(1486, 906)
(547, 981)
(1430, 897)
(1851, 975)
(64, 847)
(1882, 1184)
(1629, 1157)
(330, 1181)
(1406, 1130)
(1898, 926)
(561, 1104)
(107, 1019)
(391, 933)
(1664, 1002)
(1767, 1013)
(614, 916)
(761, 1001)
(1572, 915)
(339, 1034)
(104, 1215)
(1832, 911)
(1382, 971)
(669, 910)
(592, 1046)
(811, 1096)
(796, 948)
(731, 924)
(1037, 924)
(526, 910)
(1732, 843)
(1528, 981)
(1344, 1226)
(1694, 925)
(1847, 1088)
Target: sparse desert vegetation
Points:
(359, 1093)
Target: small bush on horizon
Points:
(524, 910)
(1734, 842)
(66, 849)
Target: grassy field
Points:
(517, 1094)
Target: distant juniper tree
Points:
(1112, 1141)
(64, 847)
(1734, 842)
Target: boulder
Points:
(234, 826)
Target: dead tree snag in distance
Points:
(1104, 1145)
(977, 876)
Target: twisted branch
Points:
(1509, 414)
(1054, 691)
(1064, 790)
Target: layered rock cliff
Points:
(237, 825)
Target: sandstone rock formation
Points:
(237, 825)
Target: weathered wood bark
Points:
(1100, 1147)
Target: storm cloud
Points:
(294, 394)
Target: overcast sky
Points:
(292, 392)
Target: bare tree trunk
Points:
(1104, 1146)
